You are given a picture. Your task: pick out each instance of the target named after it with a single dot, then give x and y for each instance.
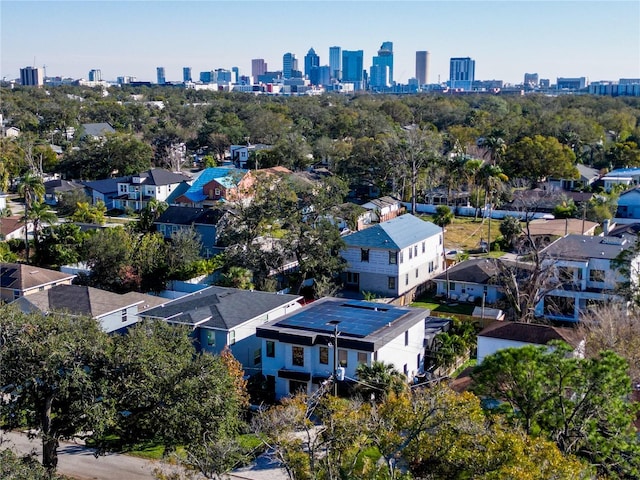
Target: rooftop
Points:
(584, 247)
(398, 233)
(24, 277)
(530, 333)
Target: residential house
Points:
(395, 258)
(585, 273)
(587, 177)
(501, 335)
(543, 230)
(210, 187)
(299, 348)
(114, 311)
(13, 228)
(135, 191)
(627, 177)
(470, 281)
(628, 206)
(104, 191)
(384, 208)
(12, 132)
(227, 317)
(97, 131)
(55, 189)
(19, 280)
(240, 153)
(203, 220)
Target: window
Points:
(257, 356)
(440, 239)
(431, 266)
(423, 247)
(392, 283)
(393, 258)
(364, 255)
(452, 286)
(410, 253)
(406, 338)
(342, 357)
(353, 278)
(297, 387)
(596, 275)
(232, 337)
(324, 356)
(405, 369)
(217, 192)
(406, 279)
(375, 356)
(271, 349)
(415, 250)
(211, 338)
(419, 362)
(362, 357)
(401, 257)
(297, 356)
(124, 315)
(416, 273)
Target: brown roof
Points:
(25, 277)
(530, 333)
(81, 300)
(8, 225)
(561, 227)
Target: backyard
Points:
(466, 233)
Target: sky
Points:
(599, 40)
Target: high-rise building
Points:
(160, 74)
(311, 60)
(385, 58)
(258, 67)
(32, 76)
(379, 77)
(352, 67)
(235, 75)
(335, 62)
(289, 65)
(186, 74)
(462, 72)
(422, 67)
(531, 80)
(207, 77)
(95, 75)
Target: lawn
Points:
(465, 233)
(434, 305)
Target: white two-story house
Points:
(394, 258)
(298, 350)
(583, 271)
(135, 191)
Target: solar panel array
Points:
(354, 317)
(7, 276)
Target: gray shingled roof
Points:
(97, 129)
(81, 300)
(398, 233)
(478, 270)
(584, 247)
(220, 307)
(24, 277)
(189, 216)
(106, 185)
(530, 333)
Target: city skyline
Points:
(506, 39)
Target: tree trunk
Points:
(49, 442)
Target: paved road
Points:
(78, 462)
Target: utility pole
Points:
(335, 359)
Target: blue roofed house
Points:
(203, 220)
(103, 190)
(227, 317)
(299, 348)
(394, 258)
(211, 186)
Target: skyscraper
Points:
(379, 77)
(95, 75)
(422, 67)
(258, 67)
(235, 75)
(160, 75)
(335, 62)
(289, 65)
(385, 58)
(352, 62)
(462, 72)
(32, 76)
(186, 74)
(311, 60)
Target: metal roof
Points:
(398, 233)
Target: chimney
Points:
(606, 226)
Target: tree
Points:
(580, 404)
(237, 277)
(14, 467)
(38, 215)
(150, 213)
(32, 190)
(54, 376)
(379, 379)
(86, 213)
(443, 217)
(510, 228)
(60, 245)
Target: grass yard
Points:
(434, 305)
(465, 233)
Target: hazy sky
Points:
(596, 39)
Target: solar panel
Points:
(7, 276)
(354, 318)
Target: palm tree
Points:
(442, 218)
(32, 190)
(493, 180)
(379, 379)
(494, 146)
(471, 170)
(38, 215)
